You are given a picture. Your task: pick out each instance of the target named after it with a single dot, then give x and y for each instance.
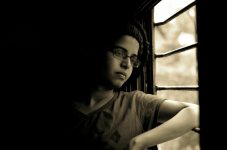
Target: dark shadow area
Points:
(212, 78)
(50, 62)
(21, 35)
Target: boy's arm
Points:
(177, 119)
(170, 108)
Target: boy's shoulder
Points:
(132, 93)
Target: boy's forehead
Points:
(129, 43)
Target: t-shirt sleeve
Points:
(147, 107)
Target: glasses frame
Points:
(123, 54)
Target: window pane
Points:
(170, 7)
(177, 33)
(184, 96)
(189, 141)
(178, 69)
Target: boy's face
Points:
(118, 69)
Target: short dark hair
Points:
(135, 29)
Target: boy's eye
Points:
(119, 52)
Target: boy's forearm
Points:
(181, 123)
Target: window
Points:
(175, 73)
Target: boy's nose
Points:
(126, 62)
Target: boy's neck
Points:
(99, 97)
(99, 94)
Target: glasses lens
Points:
(122, 54)
(119, 53)
(135, 61)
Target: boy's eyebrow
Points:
(124, 50)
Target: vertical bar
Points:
(150, 66)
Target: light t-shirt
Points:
(112, 126)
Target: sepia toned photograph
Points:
(112, 75)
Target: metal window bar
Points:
(189, 47)
(192, 87)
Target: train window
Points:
(174, 64)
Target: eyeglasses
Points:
(121, 54)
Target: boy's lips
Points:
(122, 74)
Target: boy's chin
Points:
(118, 84)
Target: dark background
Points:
(43, 57)
(212, 77)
